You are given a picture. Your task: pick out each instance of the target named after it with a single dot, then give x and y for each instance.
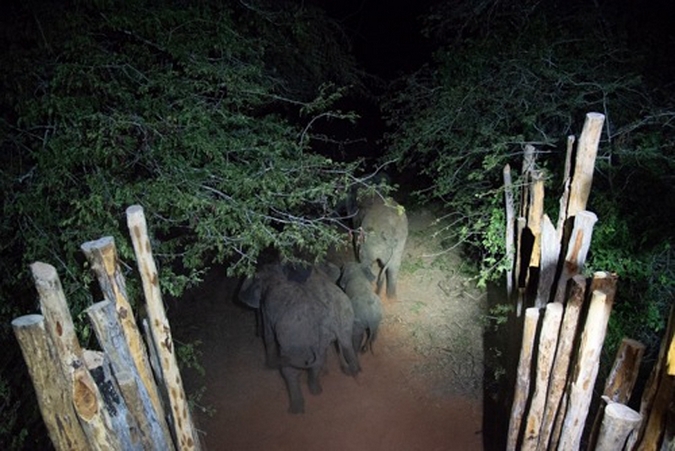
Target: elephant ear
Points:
(250, 292)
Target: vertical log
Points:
(550, 252)
(587, 150)
(54, 399)
(102, 256)
(510, 229)
(546, 352)
(580, 242)
(565, 197)
(123, 423)
(585, 372)
(619, 421)
(535, 214)
(185, 431)
(520, 227)
(522, 389)
(657, 397)
(555, 409)
(620, 381)
(89, 406)
(153, 431)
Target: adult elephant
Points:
(303, 313)
(382, 233)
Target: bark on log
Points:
(587, 150)
(102, 256)
(657, 397)
(522, 388)
(550, 253)
(535, 214)
(577, 249)
(54, 398)
(510, 229)
(555, 409)
(520, 228)
(565, 196)
(124, 424)
(153, 432)
(87, 400)
(620, 381)
(186, 437)
(585, 372)
(619, 421)
(546, 352)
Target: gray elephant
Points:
(303, 313)
(382, 232)
(356, 281)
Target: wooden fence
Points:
(129, 396)
(565, 317)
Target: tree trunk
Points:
(586, 371)
(102, 256)
(185, 431)
(54, 397)
(522, 389)
(546, 352)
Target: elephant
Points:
(303, 313)
(356, 280)
(383, 230)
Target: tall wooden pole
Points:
(183, 425)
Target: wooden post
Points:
(580, 242)
(565, 197)
(522, 389)
(185, 431)
(89, 406)
(586, 371)
(546, 352)
(587, 150)
(153, 431)
(550, 252)
(619, 421)
(102, 256)
(510, 229)
(657, 397)
(535, 213)
(620, 381)
(555, 410)
(54, 399)
(520, 227)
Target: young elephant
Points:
(302, 313)
(383, 232)
(356, 281)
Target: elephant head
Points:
(302, 314)
(383, 230)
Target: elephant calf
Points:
(356, 281)
(383, 227)
(303, 313)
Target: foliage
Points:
(201, 112)
(462, 118)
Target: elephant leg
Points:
(292, 378)
(392, 277)
(349, 362)
(313, 380)
(357, 338)
(271, 348)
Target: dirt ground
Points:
(421, 389)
